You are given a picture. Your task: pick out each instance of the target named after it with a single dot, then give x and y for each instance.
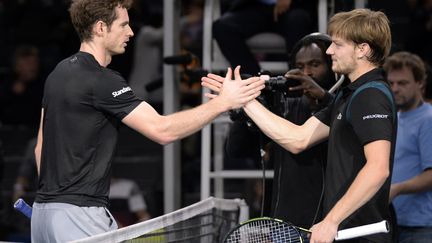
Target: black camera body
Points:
(273, 97)
(282, 84)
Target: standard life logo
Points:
(122, 91)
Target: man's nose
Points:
(395, 88)
(307, 70)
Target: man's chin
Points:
(117, 52)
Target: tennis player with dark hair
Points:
(360, 125)
(83, 105)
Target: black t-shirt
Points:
(298, 179)
(371, 119)
(83, 106)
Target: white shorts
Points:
(62, 222)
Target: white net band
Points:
(152, 225)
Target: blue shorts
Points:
(62, 222)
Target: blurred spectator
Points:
(146, 72)
(24, 187)
(127, 203)
(26, 182)
(411, 189)
(428, 86)
(248, 18)
(21, 93)
(42, 23)
(419, 36)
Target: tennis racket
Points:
(21, 206)
(269, 230)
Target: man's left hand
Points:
(323, 232)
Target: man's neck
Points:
(99, 53)
(416, 104)
(360, 70)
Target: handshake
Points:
(293, 84)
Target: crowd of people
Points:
(344, 154)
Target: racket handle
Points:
(23, 207)
(368, 229)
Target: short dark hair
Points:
(403, 59)
(323, 41)
(85, 13)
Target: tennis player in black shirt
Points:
(359, 125)
(83, 105)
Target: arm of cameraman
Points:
(292, 137)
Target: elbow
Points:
(162, 133)
(297, 147)
(163, 138)
(384, 175)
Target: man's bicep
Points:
(378, 153)
(144, 119)
(315, 130)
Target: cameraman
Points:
(313, 72)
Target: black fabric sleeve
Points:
(113, 95)
(324, 115)
(371, 116)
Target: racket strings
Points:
(265, 231)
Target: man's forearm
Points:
(292, 137)
(419, 183)
(368, 181)
(278, 129)
(185, 123)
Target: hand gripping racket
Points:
(269, 230)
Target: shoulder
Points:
(373, 94)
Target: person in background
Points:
(245, 19)
(127, 203)
(313, 71)
(411, 189)
(21, 93)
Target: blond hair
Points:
(364, 26)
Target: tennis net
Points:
(204, 222)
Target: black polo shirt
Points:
(83, 106)
(371, 119)
(291, 202)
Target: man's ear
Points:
(422, 84)
(363, 50)
(99, 28)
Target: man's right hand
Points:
(233, 93)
